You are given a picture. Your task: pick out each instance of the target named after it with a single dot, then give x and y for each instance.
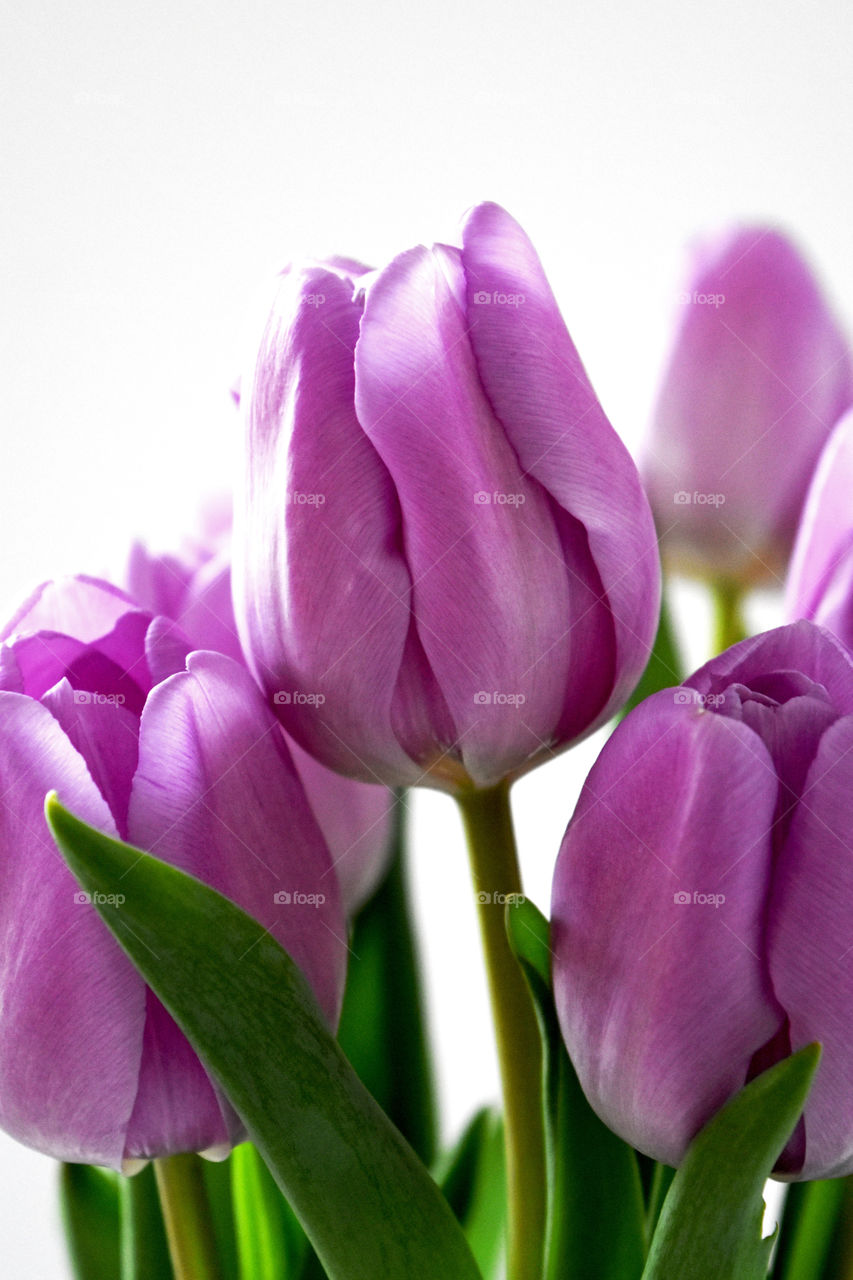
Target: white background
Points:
(160, 161)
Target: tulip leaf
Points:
(270, 1241)
(144, 1247)
(596, 1216)
(808, 1230)
(366, 1202)
(89, 1198)
(383, 1026)
(710, 1224)
(473, 1179)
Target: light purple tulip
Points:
(820, 582)
(178, 754)
(703, 900)
(758, 375)
(194, 588)
(445, 566)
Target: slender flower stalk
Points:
(495, 872)
(729, 623)
(186, 1213)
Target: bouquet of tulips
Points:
(444, 568)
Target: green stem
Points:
(729, 623)
(495, 872)
(186, 1213)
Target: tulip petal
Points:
(810, 942)
(73, 1005)
(479, 536)
(337, 603)
(356, 821)
(106, 735)
(79, 606)
(217, 795)
(539, 390)
(657, 1048)
(797, 647)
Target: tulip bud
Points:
(194, 589)
(445, 566)
(703, 900)
(177, 753)
(820, 582)
(758, 374)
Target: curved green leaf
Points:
(366, 1202)
(809, 1219)
(710, 1224)
(89, 1199)
(596, 1216)
(473, 1179)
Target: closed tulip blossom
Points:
(176, 752)
(194, 588)
(758, 374)
(703, 900)
(820, 582)
(445, 566)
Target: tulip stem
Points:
(495, 872)
(186, 1213)
(729, 623)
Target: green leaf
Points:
(216, 1175)
(270, 1241)
(710, 1224)
(473, 1179)
(89, 1200)
(366, 1202)
(808, 1229)
(664, 668)
(383, 1027)
(144, 1247)
(596, 1216)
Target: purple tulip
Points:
(820, 582)
(178, 754)
(445, 566)
(703, 900)
(356, 818)
(758, 375)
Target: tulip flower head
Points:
(820, 582)
(194, 589)
(445, 565)
(758, 375)
(176, 752)
(703, 900)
